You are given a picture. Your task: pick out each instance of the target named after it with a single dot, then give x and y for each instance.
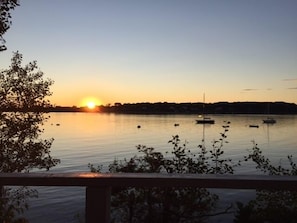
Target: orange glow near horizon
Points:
(90, 102)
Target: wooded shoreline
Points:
(178, 108)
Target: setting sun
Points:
(91, 105)
(90, 102)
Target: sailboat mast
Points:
(203, 108)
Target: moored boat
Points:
(269, 121)
(205, 120)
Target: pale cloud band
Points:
(250, 89)
(290, 79)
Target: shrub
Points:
(271, 206)
(169, 204)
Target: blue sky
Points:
(159, 50)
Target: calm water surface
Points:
(82, 138)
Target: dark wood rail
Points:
(98, 186)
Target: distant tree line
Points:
(199, 108)
(178, 108)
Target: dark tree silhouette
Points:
(23, 90)
(5, 7)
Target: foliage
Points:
(20, 130)
(269, 206)
(169, 204)
(197, 204)
(5, 7)
(14, 202)
(265, 165)
(203, 161)
(24, 88)
(22, 91)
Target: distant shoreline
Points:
(268, 108)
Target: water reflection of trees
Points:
(22, 93)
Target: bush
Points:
(169, 204)
(197, 204)
(269, 206)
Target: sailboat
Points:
(204, 119)
(269, 120)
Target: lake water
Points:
(83, 138)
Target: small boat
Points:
(254, 126)
(205, 120)
(269, 121)
(228, 124)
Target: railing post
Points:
(1, 202)
(1, 190)
(98, 204)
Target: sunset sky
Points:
(159, 50)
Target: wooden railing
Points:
(98, 186)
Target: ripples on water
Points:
(82, 138)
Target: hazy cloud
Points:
(290, 79)
(250, 89)
(292, 88)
